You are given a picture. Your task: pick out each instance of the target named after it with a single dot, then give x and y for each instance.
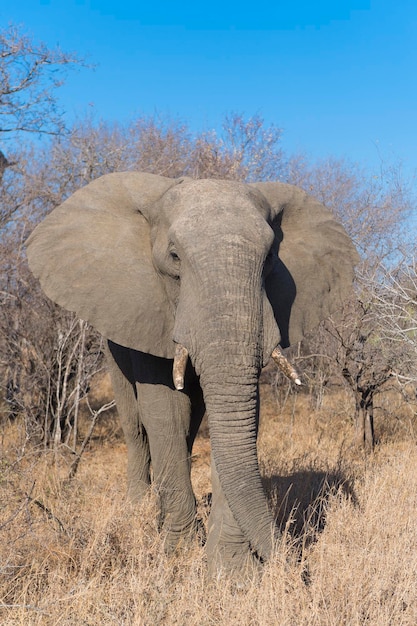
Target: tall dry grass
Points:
(75, 553)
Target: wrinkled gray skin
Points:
(225, 269)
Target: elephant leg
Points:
(138, 454)
(166, 415)
(228, 550)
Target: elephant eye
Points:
(174, 255)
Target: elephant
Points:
(194, 283)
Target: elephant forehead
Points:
(195, 231)
(227, 197)
(218, 209)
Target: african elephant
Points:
(218, 271)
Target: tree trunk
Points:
(365, 437)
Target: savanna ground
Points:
(74, 552)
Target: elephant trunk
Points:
(227, 353)
(228, 360)
(231, 396)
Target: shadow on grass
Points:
(300, 500)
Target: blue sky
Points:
(339, 77)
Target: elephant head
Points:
(223, 270)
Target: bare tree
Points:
(28, 84)
(30, 74)
(396, 310)
(365, 362)
(246, 150)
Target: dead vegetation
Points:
(74, 552)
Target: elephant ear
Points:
(92, 255)
(313, 272)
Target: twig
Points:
(49, 513)
(28, 607)
(11, 518)
(96, 414)
(16, 513)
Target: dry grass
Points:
(76, 553)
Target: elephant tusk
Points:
(285, 366)
(180, 363)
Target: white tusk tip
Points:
(297, 381)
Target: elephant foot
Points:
(229, 554)
(175, 540)
(227, 562)
(137, 491)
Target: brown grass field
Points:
(75, 553)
